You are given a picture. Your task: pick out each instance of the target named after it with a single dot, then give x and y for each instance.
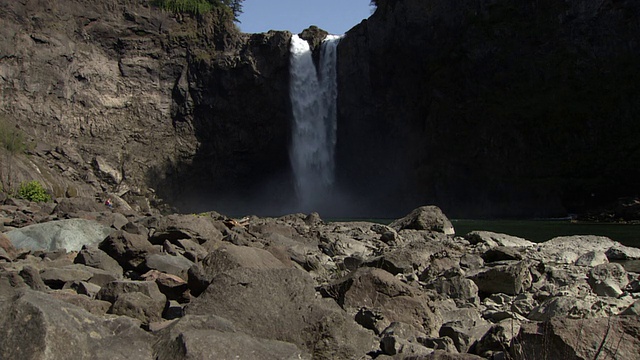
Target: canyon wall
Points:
(120, 96)
(491, 108)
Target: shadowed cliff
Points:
(491, 108)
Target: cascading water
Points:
(313, 97)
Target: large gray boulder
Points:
(37, 326)
(568, 249)
(562, 338)
(491, 239)
(212, 337)
(129, 250)
(280, 304)
(511, 278)
(608, 279)
(71, 235)
(425, 218)
(391, 299)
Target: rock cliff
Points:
(491, 108)
(484, 107)
(120, 96)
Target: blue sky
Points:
(334, 16)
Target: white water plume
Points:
(313, 95)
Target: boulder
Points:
(567, 249)
(230, 256)
(172, 286)
(391, 299)
(138, 306)
(7, 246)
(69, 234)
(608, 279)
(96, 307)
(94, 257)
(462, 290)
(411, 256)
(501, 253)
(129, 250)
(429, 218)
(75, 206)
(592, 258)
(38, 326)
(175, 227)
(633, 309)
(56, 278)
(511, 278)
(111, 291)
(560, 337)
(31, 277)
(211, 337)
(492, 239)
(176, 265)
(497, 339)
(561, 306)
(280, 304)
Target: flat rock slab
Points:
(69, 234)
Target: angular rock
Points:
(613, 337)
(501, 253)
(230, 257)
(172, 286)
(425, 218)
(492, 239)
(634, 309)
(212, 337)
(608, 279)
(94, 257)
(561, 306)
(567, 249)
(32, 278)
(8, 247)
(129, 250)
(56, 278)
(280, 304)
(497, 339)
(591, 259)
(461, 289)
(510, 279)
(138, 306)
(175, 227)
(96, 307)
(76, 205)
(170, 264)
(381, 292)
(69, 234)
(37, 326)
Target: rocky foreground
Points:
(79, 280)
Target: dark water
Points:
(543, 230)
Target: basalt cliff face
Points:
(486, 108)
(122, 97)
(491, 108)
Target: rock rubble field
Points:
(79, 280)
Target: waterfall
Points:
(313, 95)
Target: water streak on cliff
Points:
(313, 97)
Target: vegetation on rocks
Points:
(33, 191)
(200, 7)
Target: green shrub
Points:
(33, 191)
(185, 6)
(199, 7)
